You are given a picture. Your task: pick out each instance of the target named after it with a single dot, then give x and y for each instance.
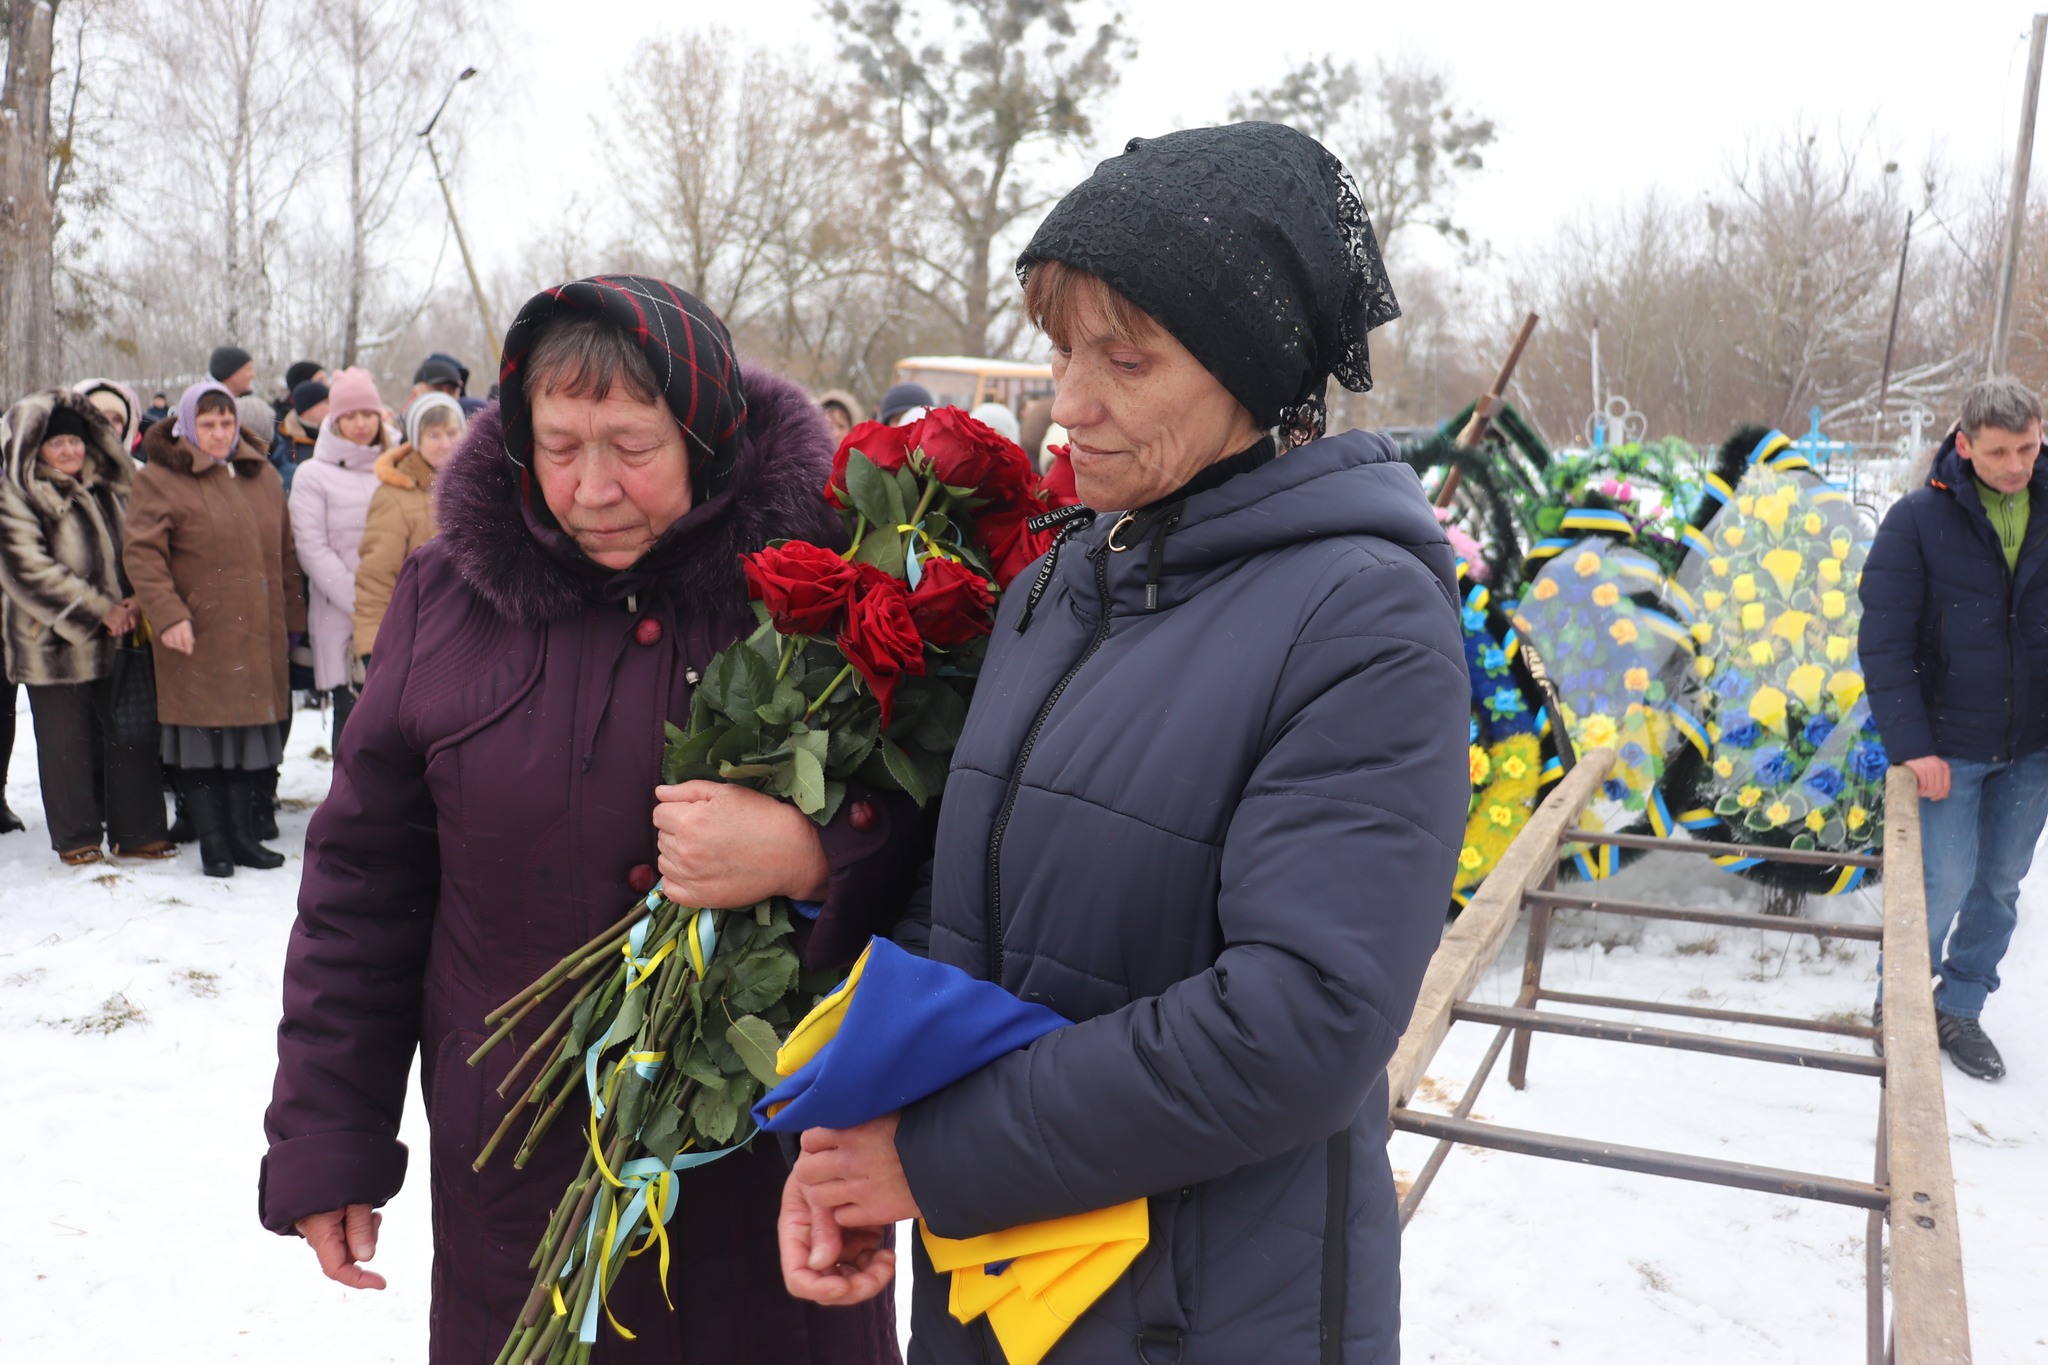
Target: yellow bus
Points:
(967, 381)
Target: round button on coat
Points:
(863, 816)
(642, 879)
(647, 631)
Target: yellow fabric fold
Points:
(817, 1028)
(1056, 1271)
(1052, 1272)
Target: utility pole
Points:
(2016, 209)
(1891, 336)
(476, 285)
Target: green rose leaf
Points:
(786, 707)
(715, 1115)
(908, 492)
(738, 681)
(689, 759)
(835, 796)
(882, 547)
(663, 1134)
(757, 1045)
(904, 770)
(875, 495)
(760, 978)
(807, 790)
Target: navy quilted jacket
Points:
(1220, 835)
(1954, 645)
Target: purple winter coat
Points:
(492, 796)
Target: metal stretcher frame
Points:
(1911, 1194)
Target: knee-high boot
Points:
(242, 843)
(205, 798)
(9, 821)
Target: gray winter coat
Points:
(60, 546)
(1220, 836)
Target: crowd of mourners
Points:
(177, 579)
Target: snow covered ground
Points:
(137, 1004)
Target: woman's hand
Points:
(343, 1238)
(120, 618)
(178, 637)
(822, 1263)
(855, 1174)
(724, 847)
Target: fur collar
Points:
(404, 467)
(180, 456)
(21, 438)
(531, 572)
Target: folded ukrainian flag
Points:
(902, 1028)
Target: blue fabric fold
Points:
(910, 1028)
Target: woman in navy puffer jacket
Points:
(1209, 798)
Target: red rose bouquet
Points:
(859, 671)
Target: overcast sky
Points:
(1595, 102)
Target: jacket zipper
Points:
(2010, 650)
(1100, 554)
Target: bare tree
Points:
(1397, 131)
(230, 135)
(964, 119)
(1765, 299)
(28, 318)
(389, 71)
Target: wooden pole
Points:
(2016, 208)
(1891, 336)
(1930, 1315)
(1483, 410)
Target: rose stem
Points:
(545, 1121)
(562, 1207)
(514, 1348)
(512, 1021)
(553, 976)
(541, 1348)
(860, 532)
(555, 1263)
(548, 1034)
(930, 489)
(830, 688)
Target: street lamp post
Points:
(454, 220)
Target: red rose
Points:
(1004, 533)
(1058, 479)
(804, 587)
(952, 604)
(880, 638)
(966, 453)
(887, 448)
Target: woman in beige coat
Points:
(210, 556)
(401, 517)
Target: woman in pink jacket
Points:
(330, 502)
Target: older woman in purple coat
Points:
(491, 811)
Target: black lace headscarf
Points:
(1248, 243)
(685, 343)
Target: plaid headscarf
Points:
(688, 347)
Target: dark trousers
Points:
(90, 786)
(344, 699)
(7, 704)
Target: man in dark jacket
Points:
(300, 429)
(1955, 652)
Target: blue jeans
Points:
(1978, 843)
